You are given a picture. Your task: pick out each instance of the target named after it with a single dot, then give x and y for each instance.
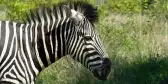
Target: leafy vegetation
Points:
(135, 33)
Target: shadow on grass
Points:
(151, 71)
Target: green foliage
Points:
(125, 5)
(150, 7)
(18, 8)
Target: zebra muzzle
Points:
(102, 72)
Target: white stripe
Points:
(79, 50)
(10, 74)
(44, 43)
(48, 20)
(32, 82)
(61, 39)
(31, 30)
(16, 61)
(56, 41)
(29, 52)
(56, 48)
(23, 54)
(95, 62)
(10, 63)
(5, 68)
(72, 43)
(65, 34)
(59, 17)
(36, 47)
(0, 29)
(18, 76)
(53, 22)
(81, 55)
(20, 70)
(76, 46)
(91, 58)
(6, 41)
(84, 54)
(48, 27)
(64, 16)
(9, 55)
(10, 80)
(16, 49)
(24, 67)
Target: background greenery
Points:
(135, 33)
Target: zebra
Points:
(49, 33)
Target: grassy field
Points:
(137, 46)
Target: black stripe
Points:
(34, 57)
(95, 59)
(41, 46)
(89, 55)
(52, 58)
(10, 57)
(78, 48)
(59, 42)
(8, 45)
(25, 50)
(42, 52)
(94, 65)
(73, 46)
(48, 45)
(5, 82)
(86, 50)
(61, 12)
(3, 35)
(63, 37)
(14, 73)
(70, 33)
(21, 67)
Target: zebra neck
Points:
(49, 44)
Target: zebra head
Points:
(83, 43)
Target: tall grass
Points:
(138, 47)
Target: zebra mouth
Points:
(102, 72)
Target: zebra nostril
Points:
(106, 62)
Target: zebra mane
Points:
(88, 10)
